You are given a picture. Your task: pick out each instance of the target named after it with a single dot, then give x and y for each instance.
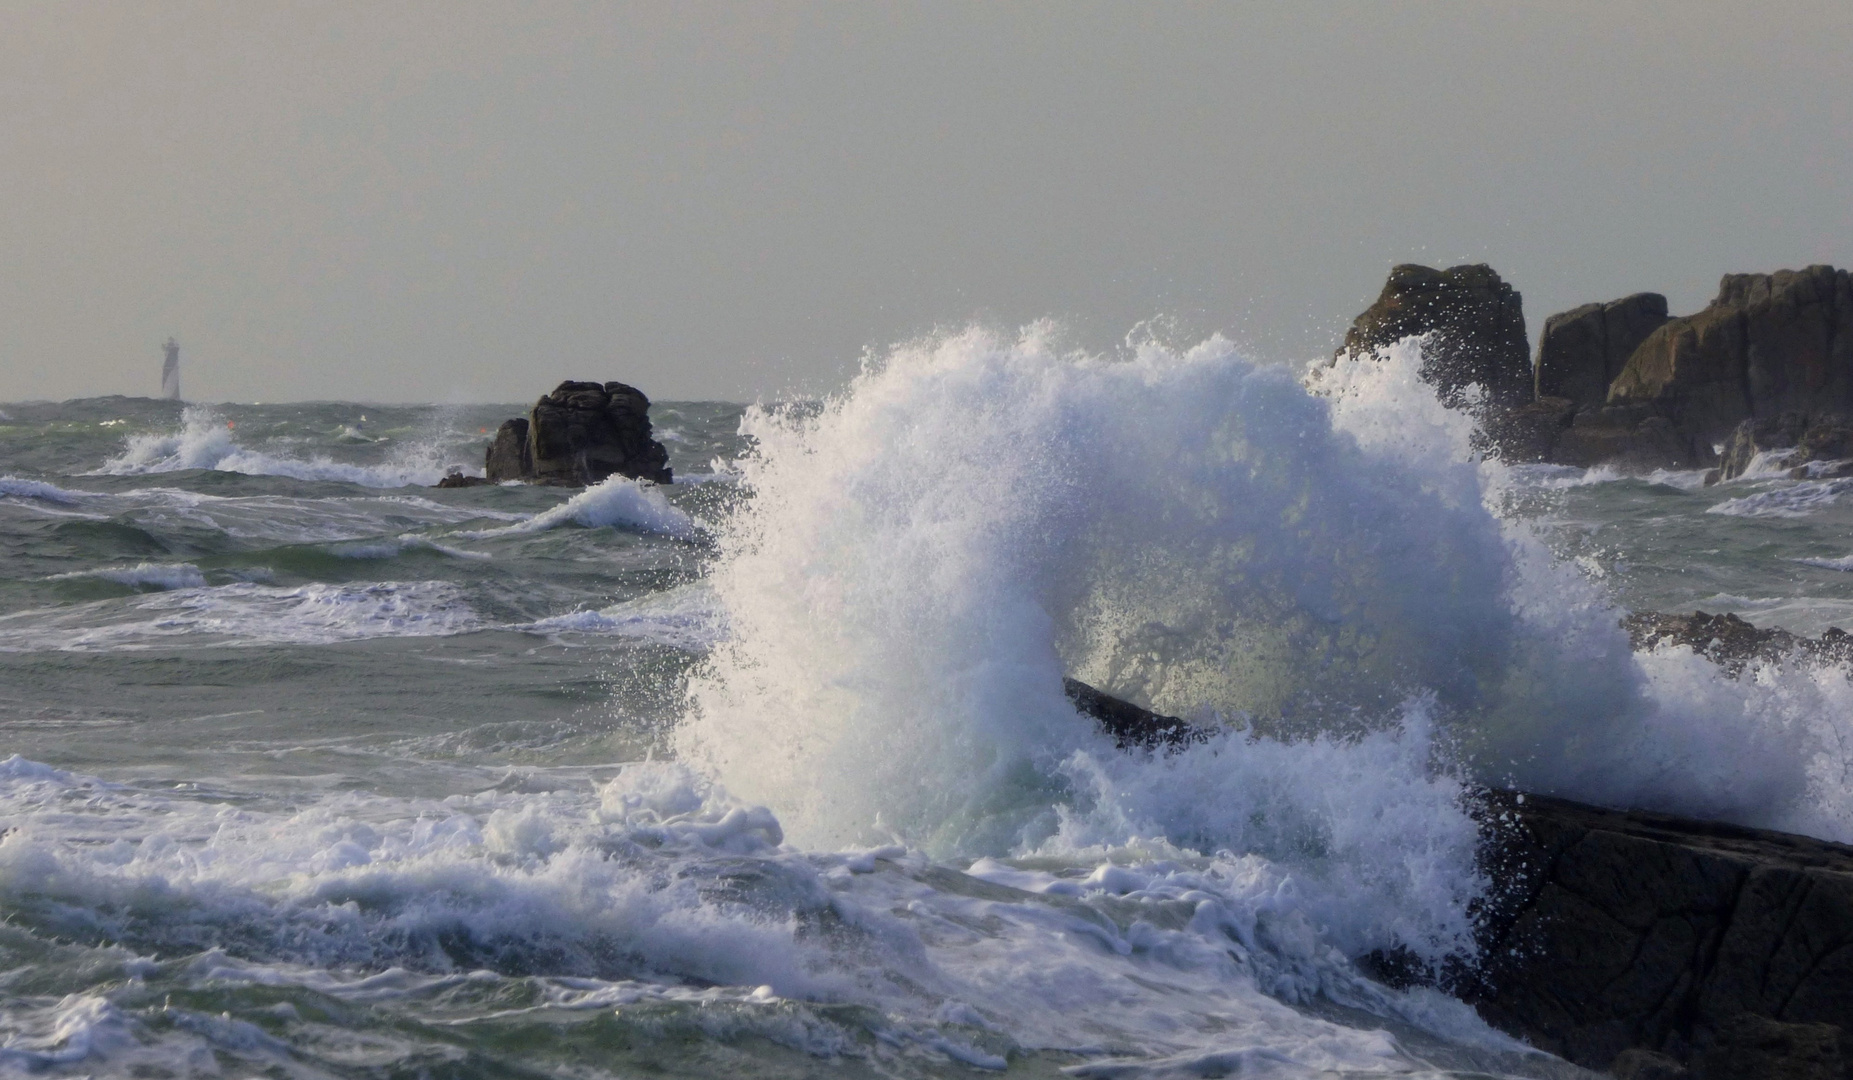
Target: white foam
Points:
(659, 889)
(12, 487)
(388, 549)
(687, 617)
(153, 575)
(926, 556)
(205, 442)
(1789, 500)
(616, 501)
(244, 614)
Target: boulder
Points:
(1583, 349)
(1476, 327)
(455, 479)
(581, 433)
(508, 454)
(1767, 345)
(1725, 949)
(584, 432)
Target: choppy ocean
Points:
(310, 769)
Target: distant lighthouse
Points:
(170, 371)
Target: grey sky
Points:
(468, 201)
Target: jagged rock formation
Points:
(1828, 440)
(1731, 643)
(1769, 344)
(1477, 327)
(581, 433)
(1621, 383)
(1718, 949)
(1583, 349)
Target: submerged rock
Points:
(580, 434)
(455, 479)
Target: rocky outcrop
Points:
(509, 457)
(581, 433)
(1767, 345)
(1731, 643)
(1650, 946)
(1476, 327)
(1584, 349)
(1828, 441)
(1708, 950)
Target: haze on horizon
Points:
(468, 201)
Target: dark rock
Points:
(584, 432)
(1614, 930)
(1631, 438)
(1583, 349)
(508, 455)
(580, 434)
(1826, 439)
(1731, 643)
(1130, 725)
(455, 479)
(1756, 1046)
(1530, 432)
(1768, 344)
(1476, 324)
(1637, 1064)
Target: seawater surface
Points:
(308, 768)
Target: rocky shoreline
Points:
(1646, 945)
(1767, 365)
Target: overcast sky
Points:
(468, 201)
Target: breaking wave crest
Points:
(206, 442)
(1315, 565)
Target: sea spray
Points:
(925, 556)
(205, 441)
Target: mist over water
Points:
(770, 770)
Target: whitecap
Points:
(152, 575)
(616, 501)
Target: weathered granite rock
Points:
(1631, 438)
(580, 434)
(1726, 948)
(1477, 327)
(1768, 344)
(584, 432)
(1731, 643)
(1827, 439)
(508, 454)
(1584, 349)
(1530, 432)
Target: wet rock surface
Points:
(1731, 642)
(1647, 945)
(580, 434)
(1476, 324)
(1717, 949)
